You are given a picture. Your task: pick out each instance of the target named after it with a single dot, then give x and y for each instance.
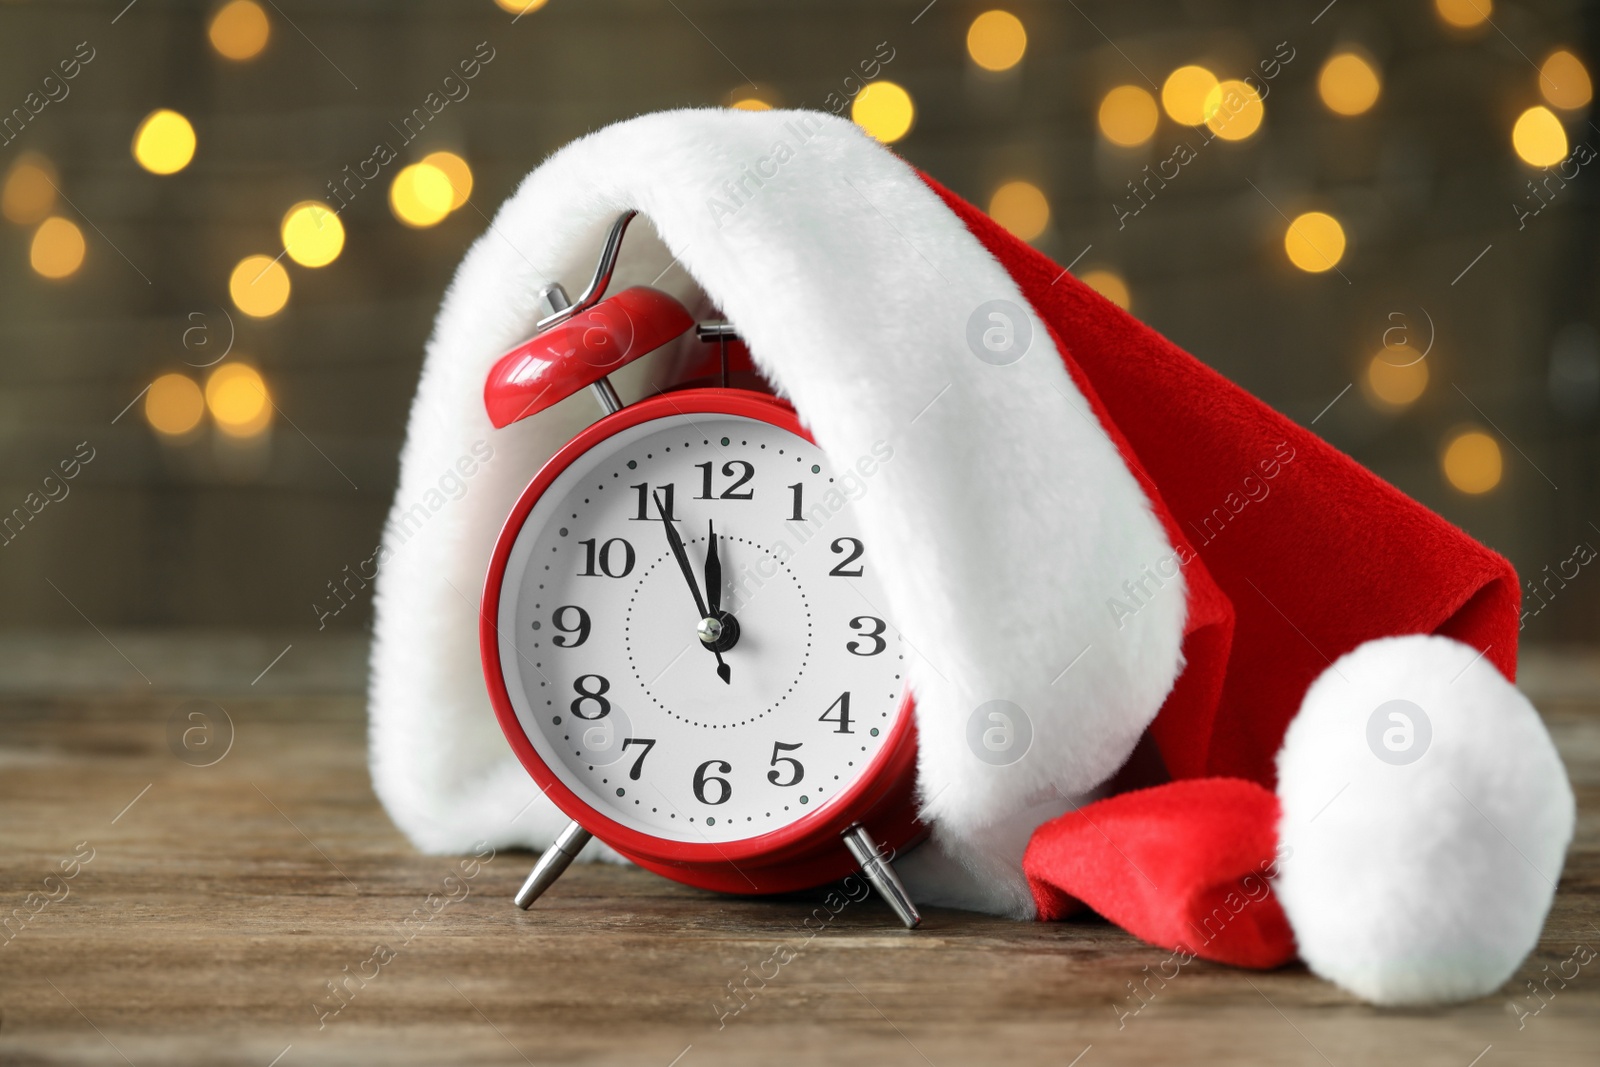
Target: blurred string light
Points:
(750, 103)
(1464, 14)
(1564, 81)
(1020, 207)
(456, 172)
(312, 234)
(421, 195)
(1185, 92)
(1314, 242)
(1128, 116)
(996, 40)
(520, 7)
(1234, 110)
(259, 286)
(1472, 462)
(238, 399)
(884, 110)
(1539, 138)
(30, 190)
(1348, 84)
(1395, 379)
(173, 405)
(239, 30)
(164, 142)
(1109, 284)
(58, 248)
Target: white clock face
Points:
(600, 629)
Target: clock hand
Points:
(676, 543)
(713, 572)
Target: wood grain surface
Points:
(221, 901)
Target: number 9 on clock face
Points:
(715, 681)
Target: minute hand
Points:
(682, 557)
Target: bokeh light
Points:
(1109, 284)
(1463, 14)
(1185, 92)
(30, 190)
(1348, 84)
(164, 142)
(312, 234)
(1314, 242)
(259, 286)
(58, 248)
(1472, 462)
(1020, 207)
(456, 172)
(421, 195)
(520, 7)
(240, 30)
(750, 103)
(1128, 116)
(173, 404)
(884, 110)
(1395, 379)
(1234, 110)
(996, 40)
(1539, 137)
(238, 400)
(1564, 81)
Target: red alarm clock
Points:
(682, 630)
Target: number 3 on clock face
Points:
(632, 717)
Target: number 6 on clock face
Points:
(688, 645)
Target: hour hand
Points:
(706, 618)
(713, 572)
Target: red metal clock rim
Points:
(804, 833)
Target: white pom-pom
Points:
(1428, 816)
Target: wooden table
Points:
(221, 900)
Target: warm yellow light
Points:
(164, 142)
(1109, 284)
(520, 7)
(420, 195)
(239, 30)
(1314, 241)
(259, 286)
(1395, 378)
(1564, 81)
(884, 110)
(238, 400)
(1128, 116)
(1472, 462)
(1185, 92)
(996, 40)
(750, 103)
(57, 249)
(30, 190)
(1348, 84)
(1233, 110)
(456, 172)
(1539, 137)
(312, 234)
(173, 404)
(1021, 208)
(1464, 13)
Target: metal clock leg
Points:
(555, 859)
(881, 875)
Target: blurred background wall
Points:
(1306, 195)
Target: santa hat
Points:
(1085, 522)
